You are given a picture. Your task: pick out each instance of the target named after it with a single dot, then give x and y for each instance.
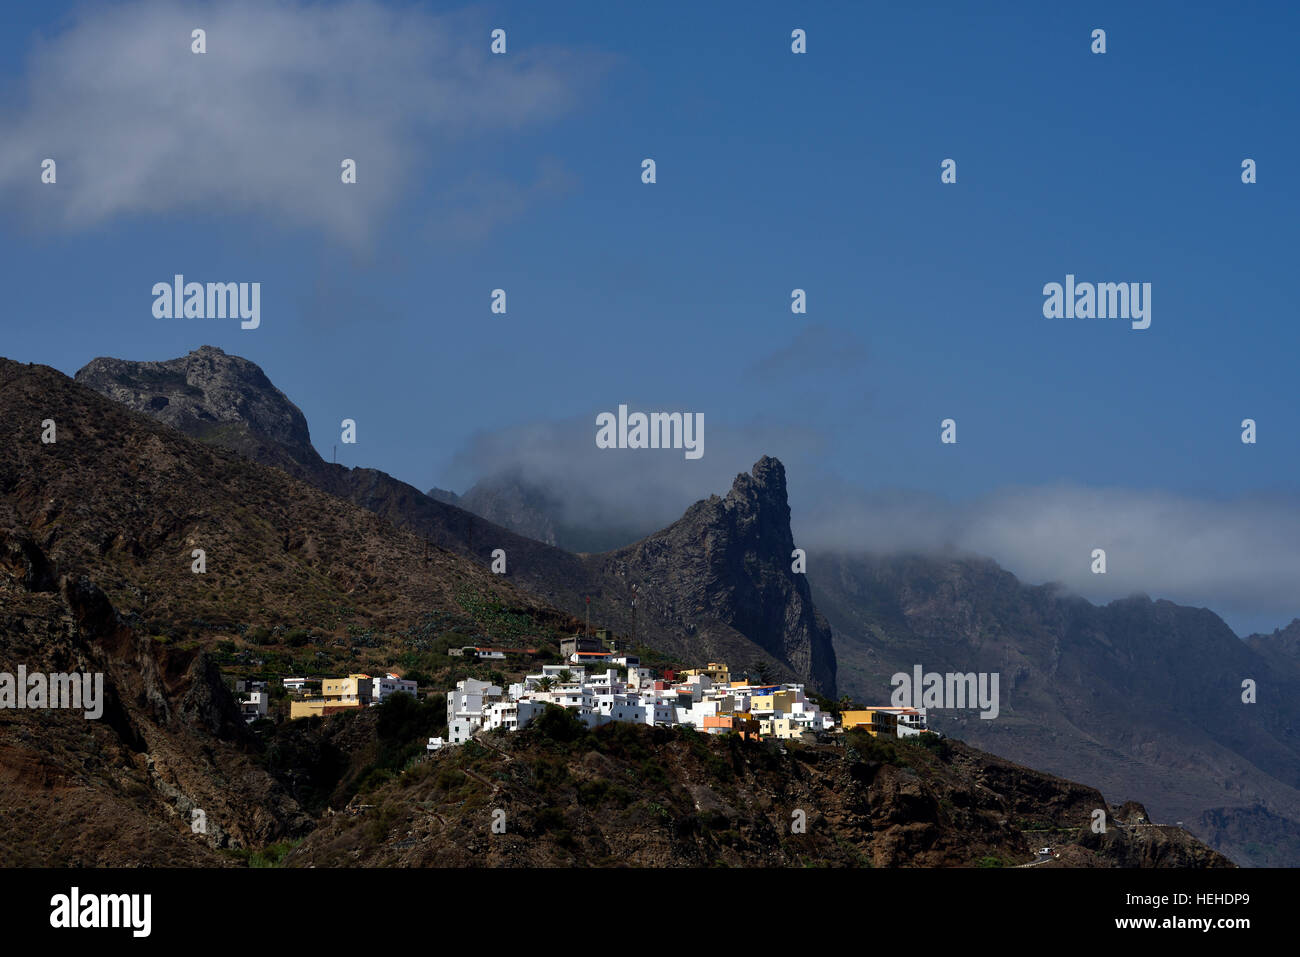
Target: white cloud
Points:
(140, 125)
(1240, 558)
(643, 488)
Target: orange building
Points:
(742, 724)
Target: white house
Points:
(253, 705)
(511, 715)
(391, 684)
(465, 707)
(604, 697)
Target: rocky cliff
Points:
(726, 565)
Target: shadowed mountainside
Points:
(1143, 697)
(655, 797)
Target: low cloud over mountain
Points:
(1240, 557)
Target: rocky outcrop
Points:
(119, 789)
(727, 564)
(1281, 648)
(213, 397)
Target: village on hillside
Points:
(703, 698)
(599, 682)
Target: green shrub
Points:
(558, 724)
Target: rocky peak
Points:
(766, 481)
(759, 505)
(208, 395)
(728, 560)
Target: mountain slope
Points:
(1142, 697)
(97, 574)
(656, 797)
(121, 790)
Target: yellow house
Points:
(872, 720)
(882, 721)
(855, 719)
(716, 672)
(354, 691)
(777, 701)
(785, 729)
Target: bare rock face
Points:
(210, 396)
(727, 562)
(446, 496)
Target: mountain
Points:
(1143, 697)
(98, 531)
(726, 566)
(628, 795)
(1281, 649)
(740, 545)
(98, 574)
(512, 501)
(216, 398)
(445, 496)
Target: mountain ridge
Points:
(566, 580)
(1140, 695)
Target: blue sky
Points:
(775, 171)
